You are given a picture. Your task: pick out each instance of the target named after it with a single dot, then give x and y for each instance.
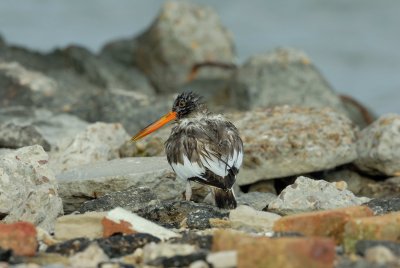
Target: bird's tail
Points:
(224, 198)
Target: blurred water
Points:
(354, 43)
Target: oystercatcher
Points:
(202, 147)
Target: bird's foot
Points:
(188, 193)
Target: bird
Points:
(202, 147)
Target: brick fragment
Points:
(20, 237)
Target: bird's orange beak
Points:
(154, 126)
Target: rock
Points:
(328, 223)
(256, 200)
(384, 205)
(277, 252)
(119, 220)
(134, 110)
(266, 186)
(161, 254)
(380, 255)
(199, 264)
(223, 259)
(196, 238)
(363, 245)
(247, 219)
(113, 264)
(91, 181)
(182, 35)
(178, 213)
(90, 257)
(20, 237)
(28, 188)
(48, 260)
(179, 260)
(122, 245)
(385, 227)
(283, 76)
(285, 141)
(98, 142)
(70, 247)
(86, 225)
(22, 126)
(311, 195)
(132, 199)
(376, 146)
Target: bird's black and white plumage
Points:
(204, 148)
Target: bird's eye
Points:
(182, 104)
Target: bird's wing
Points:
(215, 153)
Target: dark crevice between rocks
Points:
(178, 260)
(3, 215)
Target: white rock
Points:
(28, 188)
(247, 218)
(84, 225)
(153, 251)
(139, 224)
(90, 257)
(311, 195)
(223, 259)
(98, 142)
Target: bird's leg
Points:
(188, 193)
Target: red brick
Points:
(111, 227)
(386, 227)
(285, 252)
(328, 223)
(20, 237)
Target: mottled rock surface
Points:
(182, 35)
(28, 188)
(98, 142)
(87, 182)
(377, 146)
(285, 141)
(311, 195)
(384, 205)
(283, 76)
(256, 200)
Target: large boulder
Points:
(22, 126)
(285, 141)
(182, 35)
(283, 76)
(378, 147)
(28, 188)
(96, 143)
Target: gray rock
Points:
(384, 205)
(180, 213)
(256, 200)
(364, 186)
(285, 141)
(248, 219)
(182, 35)
(98, 142)
(378, 145)
(131, 199)
(21, 126)
(363, 245)
(28, 190)
(87, 182)
(312, 195)
(283, 76)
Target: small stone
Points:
(223, 259)
(98, 142)
(199, 240)
(256, 200)
(199, 264)
(90, 257)
(248, 219)
(125, 222)
(277, 252)
(131, 199)
(363, 245)
(312, 195)
(377, 146)
(380, 255)
(174, 213)
(85, 225)
(20, 237)
(385, 227)
(163, 254)
(265, 186)
(287, 140)
(69, 247)
(51, 260)
(330, 223)
(121, 245)
(384, 205)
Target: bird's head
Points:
(184, 105)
